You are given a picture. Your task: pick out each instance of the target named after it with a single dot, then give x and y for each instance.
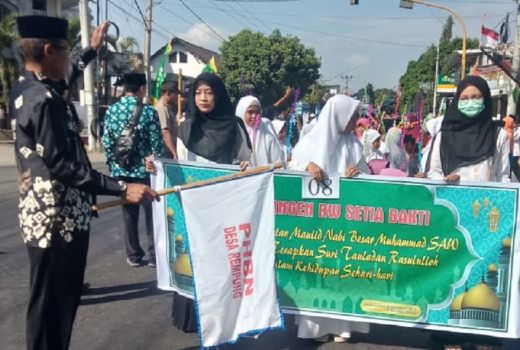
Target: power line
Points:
(142, 16)
(135, 18)
(203, 21)
(238, 19)
(252, 14)
(190, 23)
(154, 23)
(383, 42)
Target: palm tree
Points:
(127, 44)
(7, 67)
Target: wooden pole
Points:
(179, 97)
(252, 171)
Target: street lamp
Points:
(408, 4)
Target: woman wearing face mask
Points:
(266, 148)
(469, 146)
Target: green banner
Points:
(388, 251)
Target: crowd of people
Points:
(58, 184)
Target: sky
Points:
(371, 42)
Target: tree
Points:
(447, 30)
(266, 65)
(423, 69)
(127, 44)
(74, 31)
(7, 66)
(366, 94)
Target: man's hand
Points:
(99, 35)
(289, 91)
(139, 194)
(315, 171)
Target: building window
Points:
(40, 5)
(183, 58)
(173, 57)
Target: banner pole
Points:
(179, 97)
(252, 171)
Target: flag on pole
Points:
(211, 67)
(488, 38)
(160, 77)
(230, 229)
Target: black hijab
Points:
(466, 141)
(215, 135)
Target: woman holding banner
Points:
(331, 147)
(469, 146)
(211, 133)
(266, 148)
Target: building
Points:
(186, 56)
(484, 64)
(60, 8)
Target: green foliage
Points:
(74, 29)
(447, 30)
(385, 98)
(315, 95)
(367, 94)
(7, 68)
(267, 65)
(423, 69)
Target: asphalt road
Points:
(123, 309)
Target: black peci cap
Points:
(134, 79)
(42, 27)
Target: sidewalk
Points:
(7, 155)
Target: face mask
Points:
(472, 107)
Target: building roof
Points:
(201, 53)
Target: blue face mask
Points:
(471, 107)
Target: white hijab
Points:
(266, 148)
(396, 154)
(326, 144)
(369, 136)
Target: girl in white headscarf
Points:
(396, 153)
(433, 126)
(371, 145)
(331, 148)
(266, 148)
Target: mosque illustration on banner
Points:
(180, 260)
(485, 305)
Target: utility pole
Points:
(88, 73)
(515, 65)
(436, 80)
(147, 46)
(347, 79)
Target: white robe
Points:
(329, 147)
(266, 148)
(493, 169)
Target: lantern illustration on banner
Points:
(171, 222)
(476, 208)
(486, 202)
(493, 219)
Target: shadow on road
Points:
(102, 295)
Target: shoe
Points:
(133, 263)
(323, 339)
(151, 263)
(338, 339)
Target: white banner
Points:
(231, 238)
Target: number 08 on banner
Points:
(327, 188)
